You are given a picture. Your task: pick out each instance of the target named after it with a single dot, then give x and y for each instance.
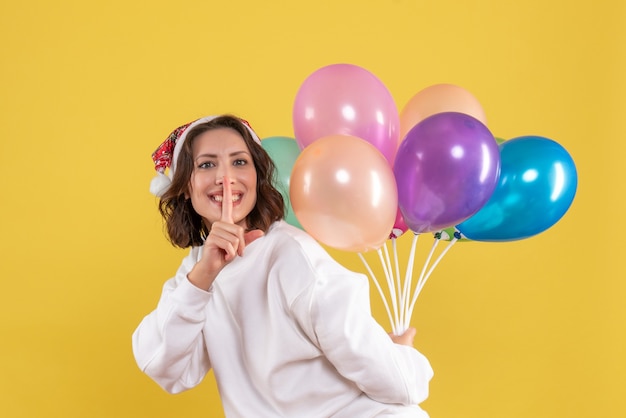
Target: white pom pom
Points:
(160, 184)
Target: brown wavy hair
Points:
(184, 226)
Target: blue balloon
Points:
(536, 187)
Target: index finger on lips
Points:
(227, 201)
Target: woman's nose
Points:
(221, 176)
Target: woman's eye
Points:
(206, 164)
(240, 162)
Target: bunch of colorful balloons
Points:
(358, 172)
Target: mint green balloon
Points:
(284, 151)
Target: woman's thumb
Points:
(252, 235)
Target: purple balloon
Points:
(446, 169)
(345, 99)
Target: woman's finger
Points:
(224, 241)
(227, 201)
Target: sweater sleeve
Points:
(360, 349)
(168, 344)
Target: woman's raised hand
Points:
(226, 241)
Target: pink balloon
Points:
(399, 226)
(348, 100)
(344, 193)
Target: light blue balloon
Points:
(536, 187)
(284, 151)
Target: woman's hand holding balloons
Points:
(405, 338)
(226, 241)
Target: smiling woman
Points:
(222, 161)
(260, 301)
(185, 226)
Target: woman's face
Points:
(217, 154)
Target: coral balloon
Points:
(439, 98)
(344, 193)
(537, 185)
(344, 99)
(446, 169)
(284, 151)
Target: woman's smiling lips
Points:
(219, 197)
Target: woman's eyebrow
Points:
(232, 154)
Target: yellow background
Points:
(533, 328)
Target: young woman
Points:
(286, 329)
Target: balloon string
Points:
(380, 291)
(419, 281)
(390, 279)
(393, 278)
(390, 285)
(398, 280)
(407, 283)
(422, 281)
